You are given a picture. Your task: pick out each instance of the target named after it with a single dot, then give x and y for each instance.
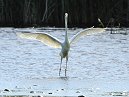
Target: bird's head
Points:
(66, 19)
(66, 15)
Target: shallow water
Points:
(98, 65)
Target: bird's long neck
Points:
(66, 29)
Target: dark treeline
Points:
(82, 13)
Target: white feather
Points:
(84, 32)
(43, 37)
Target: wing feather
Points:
(43, 37)
(84, 32)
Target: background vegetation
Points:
(82, 13)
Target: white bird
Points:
(55, 43)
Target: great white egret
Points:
(55, 43)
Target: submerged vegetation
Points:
(82, 13)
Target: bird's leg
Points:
(60, 66)
(66, 64)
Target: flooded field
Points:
(98, 65)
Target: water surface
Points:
(98, 65)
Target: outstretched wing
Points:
(86, 32)
(43, 37)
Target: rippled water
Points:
(96, 63)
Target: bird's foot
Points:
(59, 71)
(65, 71)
